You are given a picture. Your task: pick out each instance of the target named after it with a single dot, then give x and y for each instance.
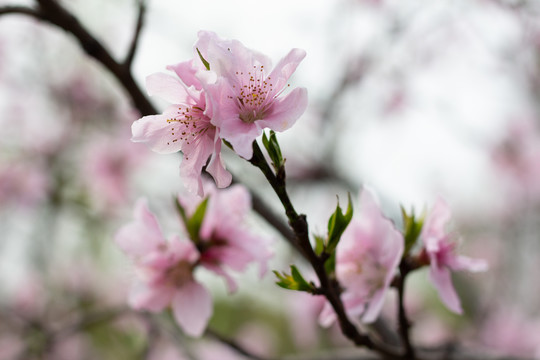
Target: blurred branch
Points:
(23, 10)
(136, 34)
(404, 323)
(52, 12)
(233, 345)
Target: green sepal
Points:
(319, 244)
(295, 281)
(274, 151)
(337, 224)
(193, 224)
(330, 263)
(205, 63)
(412, 227)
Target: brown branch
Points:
(404, 323)
(329, 288)
(52, 12)
(22, 10)
(233, 345)
(136, 34)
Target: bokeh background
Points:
(413, 99)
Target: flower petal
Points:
(142, 235)
(285, 68)
(167, 87)
(192, 308)
(216, 166)
(143, 297)
(441, 279)
(156, 132)
(286, 110)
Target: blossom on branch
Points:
(246, 96)
(164, 272)
(224, 241)
(367, 258)
(184, 126)
(439, 248)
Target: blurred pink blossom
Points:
(246, 95)
(184, 126)
(511, 332)
(165, 272)
(109, 165)
(440, 251)
(23, 183)
(367, 258)
(226, 243)
(517, 157)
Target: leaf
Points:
(319, 244)
(330, 264)
(412, 227)
(295, 281)
(205, 63)
(193, 224)
(274, 151)
(337, 224)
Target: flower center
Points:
(253, 94)
(192, 124)
(180, 274)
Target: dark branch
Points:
(233, 345)
(23, 10)
(404, 324)
(136, 34)
(52, 12)
(330, 288)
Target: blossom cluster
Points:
(370, 251)
(226, 92)
(215, 238)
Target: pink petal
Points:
(286, 110)
(434, 225)
(327, 316)
(469, 264)
(168, 88)
(156, 132)
(141, 236)
(441, 279)
(192, 308)
(232, 286)
(285, 68)
(186, 72)
(374, 307)
(216, 167)
(195, 157)
(142, 297)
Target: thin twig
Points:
(233, 345)
(52, 12)
(136, 34)
(23, 10)
(330, 288)
(404, 323)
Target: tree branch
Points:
(330, 288)
(233, 345)
(22, 10)
(136, 34)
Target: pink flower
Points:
(246, 96)
(185, 126)
(367, 258)
(440, 250)
(225, 241)
(165, 272)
